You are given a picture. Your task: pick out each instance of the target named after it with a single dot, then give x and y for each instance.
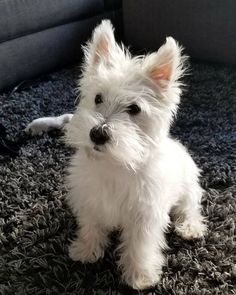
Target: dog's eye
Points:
(133, 109)
(98, 99)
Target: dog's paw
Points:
(139, 275)
(140, 281)
(80, 250)
(190, 230)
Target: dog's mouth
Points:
(97, 149)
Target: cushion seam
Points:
(30, 32)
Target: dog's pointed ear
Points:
(101, 44)
(166, 65)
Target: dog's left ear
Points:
(166, 65)
(101, 44)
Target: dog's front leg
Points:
(141, 257)
(90, 243)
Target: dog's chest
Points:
(112, 189)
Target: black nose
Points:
(99, 134)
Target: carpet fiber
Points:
(36, 225)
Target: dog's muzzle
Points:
(99, 134)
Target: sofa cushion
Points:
(28, 56)
(206, 28)
(19, 18)
(112, 4)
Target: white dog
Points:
(127, 172)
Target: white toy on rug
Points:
(45, 124)
(127, 172)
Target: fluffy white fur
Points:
(136, 179)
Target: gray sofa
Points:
(37, 36)
(206, 28)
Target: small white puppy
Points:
(127, 172)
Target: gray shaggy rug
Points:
(36, 225)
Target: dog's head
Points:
(127, 104)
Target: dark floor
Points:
(35, 223)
